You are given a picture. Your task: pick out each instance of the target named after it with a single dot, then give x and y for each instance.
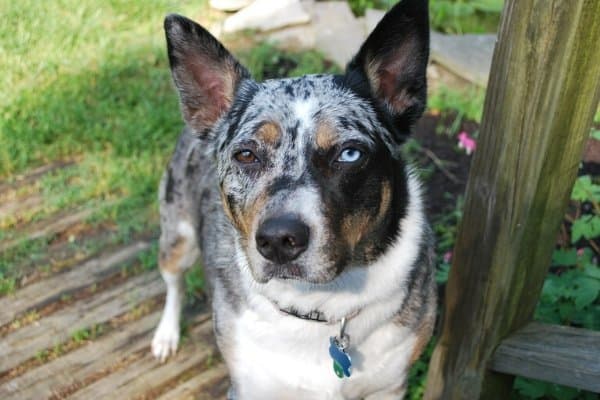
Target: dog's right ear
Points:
(205, 73)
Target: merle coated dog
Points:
(309, 224)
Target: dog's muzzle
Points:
(282, 239)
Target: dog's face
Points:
(309, 168)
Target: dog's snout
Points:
(282, 239)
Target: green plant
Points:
(265, 61)
(194, 281)
(467, 103)
(571, 292)
(465, 16)
(360, 6)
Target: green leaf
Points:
(564, 258)
(551, 290)
(491, 6)
(592, 270)
(530, 388)
(595, 134)
(562, 392)
(584, 189)
(587, 226)
(586, 292)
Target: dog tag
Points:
(342, 364)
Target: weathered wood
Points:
(89, 272)
(33, 175)
(72, 369)
(15, 209)
(101, 358)
(542, 95)
(553, 353)
(58, 223)
(147, 374)
(24, 343)
(201, 387)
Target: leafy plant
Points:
(465, 16)
(571, 292)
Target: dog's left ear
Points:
(393, 61)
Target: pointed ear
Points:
(393, 60)
(205, 73)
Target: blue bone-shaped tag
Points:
(342, 364)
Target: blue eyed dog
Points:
(309, 225)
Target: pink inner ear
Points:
(393, 70)
(212, 92)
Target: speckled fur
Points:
(370, 249)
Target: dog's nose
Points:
(282, 239)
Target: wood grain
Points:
(558, 354)
(542, 94)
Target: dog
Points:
(309, 225)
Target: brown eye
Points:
(245, 157)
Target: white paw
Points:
(165, 341)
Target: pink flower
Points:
(447, 257)
(466, 142)
(580, 252)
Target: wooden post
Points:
(542, 94)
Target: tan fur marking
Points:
(249, 214)
(170, 260)
(423, 335)
(269, 133)
(386, 200)
(243, 221)
(226, 208)
(325, 135)
(355, 227)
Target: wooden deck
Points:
(79, 324)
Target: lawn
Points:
(86, 86)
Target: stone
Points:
(295, 38)
(267, 15)
(229, 5)
(372, 18)
(468, 56)
(338, 35)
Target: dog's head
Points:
(309, 168)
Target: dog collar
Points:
(338, 345)
(314, 315)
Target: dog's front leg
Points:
(166, 338)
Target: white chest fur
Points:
(276, 356)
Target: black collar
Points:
(315, 315)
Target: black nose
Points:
(282, 239)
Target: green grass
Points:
(90, 81)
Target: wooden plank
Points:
(146, 375)
(542, 95)
(202, 386)
(13, 210)
(102, 357)
(24, 343)
(58, 223)
(43, 292)
(72, 369)
(33, 175)
(553, 353)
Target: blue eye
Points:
(350, 155)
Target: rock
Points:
(267, 15)
(295, 38)
(468, 56)
(372, 18)
(338, 35)
(229, 5)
